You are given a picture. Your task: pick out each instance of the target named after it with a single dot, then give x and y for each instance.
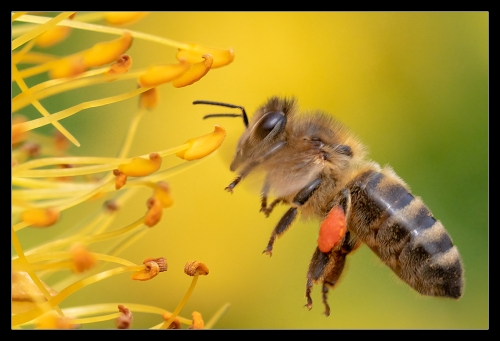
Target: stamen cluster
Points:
(47, 180)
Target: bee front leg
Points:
(285, 222)
(254, 163)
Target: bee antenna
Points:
(227, 105)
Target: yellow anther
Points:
(159, 74)
(162, 194)
(194, 73)
(53, 36)
(194, 55)
(107, 52)
(139, 166)
(123, 18)
(67, 67)
(203, 145)
(40, 217)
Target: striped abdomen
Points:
(401, 230)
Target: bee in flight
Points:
(317, 166)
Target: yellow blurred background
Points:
(412, 85)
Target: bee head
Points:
(266, 124)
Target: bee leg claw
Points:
(268, 209)
(233, 184)
(327, 307)
(326, 267)
(309, 303)
(265, 210)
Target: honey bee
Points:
(315, 165)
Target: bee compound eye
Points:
(268, 122)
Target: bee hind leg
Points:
(325, 301)
(326, 268)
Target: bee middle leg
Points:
(285, 221)
(264, 207)
(267, 209)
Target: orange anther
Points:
(149, 99)
(155, 211)
(120, 180)
(121, 65)
(40, 217)
(18, 132)
(125, 319)
(195, 268)
(82, 258)
(152, 269)
(197, 321)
